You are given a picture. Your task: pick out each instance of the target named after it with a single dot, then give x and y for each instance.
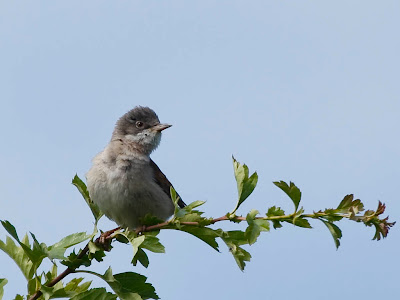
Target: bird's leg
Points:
(105, 237)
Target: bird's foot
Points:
(106, 237)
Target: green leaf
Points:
(136, 283)
(255, 226)
(193, 205)
(236, 237)
(275, 211)
(146, 241)
(95, 294)
(141, 257)
(74, 287)
(81, 186)
(95, 251)
(11, 230)
(291, 190)
(174, 199)
(3, 282)
(245, 184)
(301, 222)
(47, 292)
(152, 244)
(205, 234)
(73, 262)
(239, 254)
(57, 250)
(122, 292)
(335, 231)
(149, 220)
(19, 256)
(71, 289)
(39, 251)
(134, 240)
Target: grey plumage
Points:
(123, 181)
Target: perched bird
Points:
(124, 181)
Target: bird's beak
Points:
(160, 127)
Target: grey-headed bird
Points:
(124, 181)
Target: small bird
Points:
(124, 181)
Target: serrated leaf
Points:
(95, 294)
(118, 288)
(335, 232)
(301, 222)
(57, 250)
(346, 202)
(275, 211)
(81, 186)
(3, 282)
(71, 289)
(136, 283)
(193, 205)
(12, 231)
(39, 251)
(19, 256)
(33, 285)
(205, 234)
(141, 257)
(291, 190)
(152, 244)
(73, 262)
(149, 220)
(47, 292)
(193, 217)
(255, 226)
(236, 237)
(239, 254)
(174, 199)
(136, 243)
(245, 184)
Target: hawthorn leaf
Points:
(152, 244)
(237, 237)
(335, 232)
(123, 292)
(193, 205)
(81, 186)
(239, 254)
(174, 199)
(205, 234)
(71, 289)
(275, 211)
(301, 222)
(255, 226)
(136, 283)
(141, 257)
(58, 249)
(95, 294)
(291, 190)
(3, 282)
(19, 256)
(245, 184)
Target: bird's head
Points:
(141, 127)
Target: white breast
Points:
(124, 189)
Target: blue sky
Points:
(306, 91)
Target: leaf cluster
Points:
(29, 254)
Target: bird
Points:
(124, 182)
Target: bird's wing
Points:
(163, 182)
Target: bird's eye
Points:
(139, 124)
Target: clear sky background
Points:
(306, 91)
